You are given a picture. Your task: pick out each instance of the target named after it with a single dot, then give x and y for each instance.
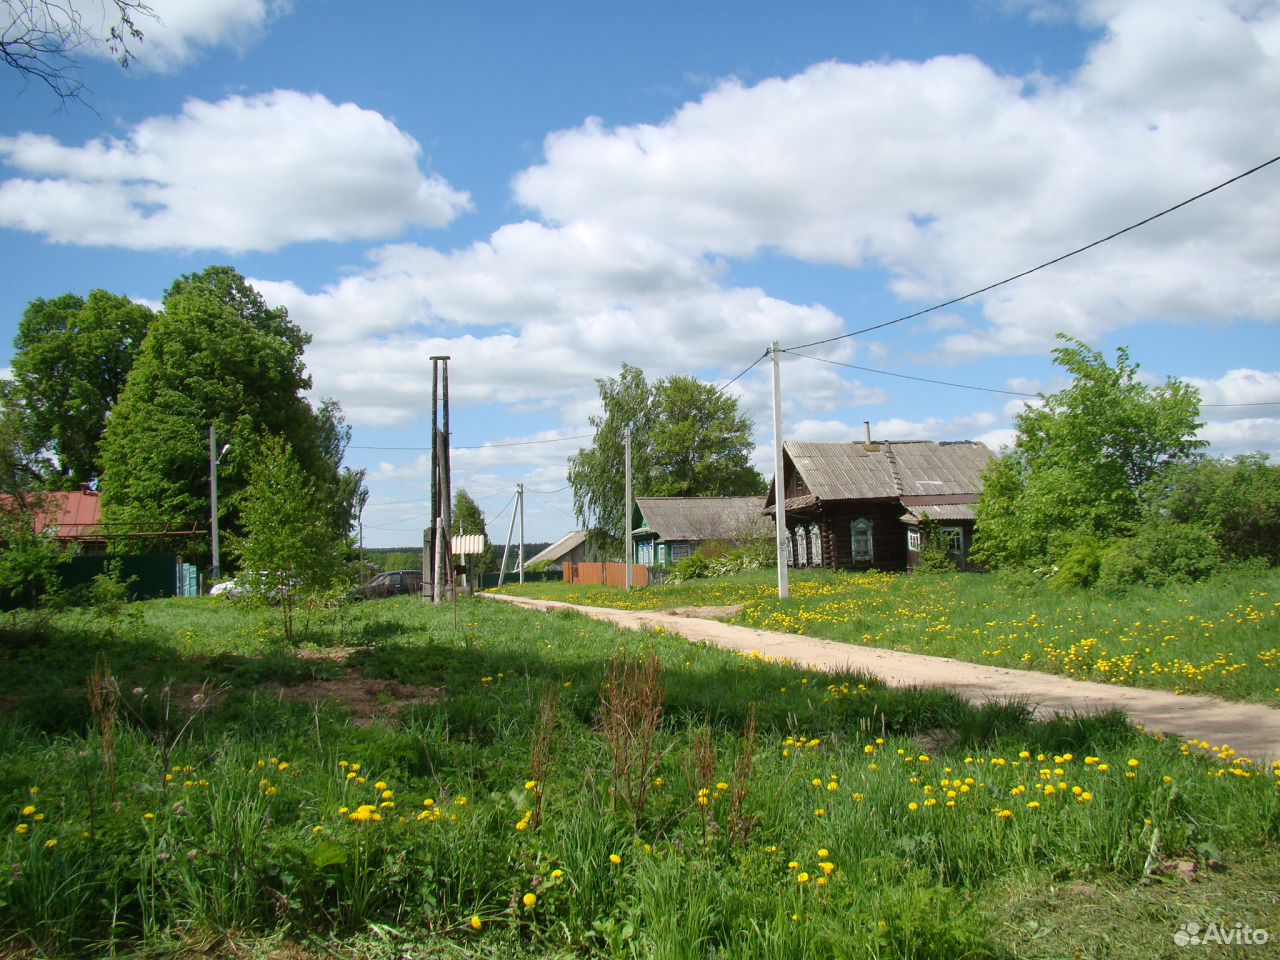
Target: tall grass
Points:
(1221, 636)
(784, 814)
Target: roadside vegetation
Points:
(177, 779)
(1220, 636)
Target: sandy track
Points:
(1250, 729)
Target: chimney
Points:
(867, 424)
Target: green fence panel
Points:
(148, 576)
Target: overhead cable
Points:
(1048, 263)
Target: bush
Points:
(690, 568)
(1160, 553)
(1080, 565)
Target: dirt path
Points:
(1252, 730)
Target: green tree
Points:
(469, 518)
(29, 560)
(688, 439)
(1237, 498)
(216, 354)
(1082, 459)
(288, 554)
(71, 358)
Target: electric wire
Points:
(482, 446)
(1048, 263)
(907, 376)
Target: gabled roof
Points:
(560, 549)
(703, 518)
(891, 469)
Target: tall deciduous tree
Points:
(1082, 458)
(71, 359)
(216, 354)
(688, 439)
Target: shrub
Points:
(1080, 565)
(1160, 553)
(690, 568)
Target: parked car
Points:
(391, 583)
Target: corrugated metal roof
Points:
(877, 471)
(704, 518)
(70, 514)
(939, 511)
(563, 546)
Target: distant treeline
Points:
(410, 558)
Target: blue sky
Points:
(545, 192)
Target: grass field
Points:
(1220, 637)
(541, 785)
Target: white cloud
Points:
(953, 176)
(245, 173)
(182, 30)
(1242, 386)
(1246, 435)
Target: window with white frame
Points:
(863, 548)
(913, 539)
(802, 547)
(681, 550)
(952, 538)
(815, 545)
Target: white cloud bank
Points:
(952, 176)
(245, 173)
(180, 31)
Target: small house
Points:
(571, 548)
(665, 530)
(861, 505)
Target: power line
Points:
(746, 371)
(1047, 263)
(1260, 403)
(557, 490)
(483, 446)
(907, 376)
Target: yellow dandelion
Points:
(476, 923)
(530, 899)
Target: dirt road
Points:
(1251, 729)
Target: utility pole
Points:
(779, 481)
(520, 505)
(215, 457)
(437, 559)
(446, 513)
(626, 514)
(429, 534)
(502, 569)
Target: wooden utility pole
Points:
(437, 561)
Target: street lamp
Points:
(215, 457)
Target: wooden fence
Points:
(610, 574)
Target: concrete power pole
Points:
(779, 481)
(520, 506)
(626, 514)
